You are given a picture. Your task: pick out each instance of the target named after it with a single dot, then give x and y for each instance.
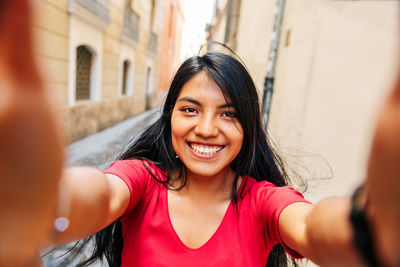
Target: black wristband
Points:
(362, 231)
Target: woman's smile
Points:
(206, 134)
(205, 150)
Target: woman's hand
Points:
(384, 180)
(30, 147)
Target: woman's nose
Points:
(206, 126)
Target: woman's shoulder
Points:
(137, 172)
(141, 176)
(136, 166)
(250, 185)
(266, 200)
(263, 190)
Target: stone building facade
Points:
(335, 63)
(100, 59)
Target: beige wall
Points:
(331, 79)
(51, 30)
(253, 37)
(336, 63)
(219, 22)
(52, 40)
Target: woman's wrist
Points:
(362, 229)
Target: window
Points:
(153, 39)
(152, 14)
(126, 70)
(85, 57)
(84, 60)
(125, 78)
(149, 85)
(131, 22)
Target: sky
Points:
(197, 14)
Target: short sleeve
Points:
(270, 201)
(136, 176)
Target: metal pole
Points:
(271, 65)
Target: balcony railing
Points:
(131, 24)
(100, 8)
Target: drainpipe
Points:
(272, 59)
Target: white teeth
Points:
(207, 150)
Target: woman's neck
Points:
(211, 188)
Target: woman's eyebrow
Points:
(191, 100)
(227, 105)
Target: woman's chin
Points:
(206, 170)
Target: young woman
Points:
(200, 187)
(193, 177)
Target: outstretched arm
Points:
(323, 233)
(383, 183)
(90, 200)
(34, 188)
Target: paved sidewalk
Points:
(103, 147)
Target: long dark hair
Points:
(256, 157)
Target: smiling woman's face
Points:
(206, 135)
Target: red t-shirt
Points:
(245, 236)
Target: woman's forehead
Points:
(201, 87)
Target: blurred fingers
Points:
(16, 55)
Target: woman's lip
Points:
(204, 156)
(204, 144)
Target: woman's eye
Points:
(189, 110)
(229, 114)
